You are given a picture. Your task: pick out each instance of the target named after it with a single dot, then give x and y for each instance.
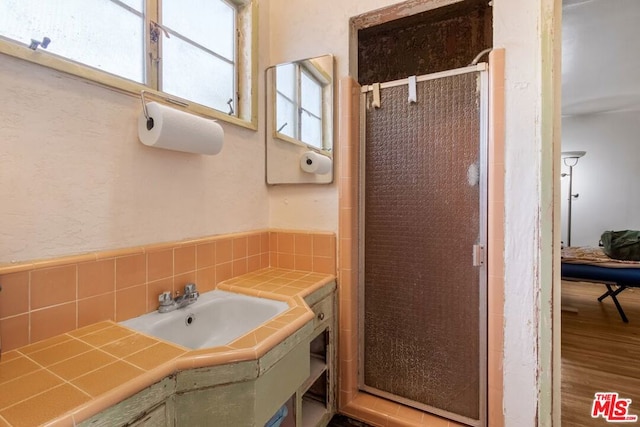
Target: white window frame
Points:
(245, 85)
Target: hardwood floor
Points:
(600, 353)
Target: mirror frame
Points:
(282, 151)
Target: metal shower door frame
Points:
(483, 83)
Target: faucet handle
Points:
(189, 288)
(165, 298)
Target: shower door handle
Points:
(478, 255)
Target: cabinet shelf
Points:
(317, 369)
(313, 412)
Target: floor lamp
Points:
(570, 158)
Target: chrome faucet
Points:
(169, 303)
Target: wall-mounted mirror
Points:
(299, 121)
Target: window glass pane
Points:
(286, 80)
(81, 30)
(210, 23)
(285, 116)
(311, 130)
(193, 74)
(135, 4)
(310, 94)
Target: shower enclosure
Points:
(423, 196)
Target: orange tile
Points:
(344, 398)
(432, 420)
(285, 260)
(52, 321)
(131, 271)
(287, 291)
(96, 278)
(179, 282)
(324, 265)
(224, 272)
(62, 351)
(265, 260)
(387, 407)
(239, 267)
(253, 263)
(154, 356)
(90, 329)
(7, 356)
(264, 242)
(107, 335)
(206, 279)
(41, 345)
(240, 249)
(205, 255)
(224, 251)
(303, 244)
(184, 259)
(154, 289)
(273, 241)
(253, 245)
(14, 298)
(286, 243)
(303, 262)
(106, 378)
(51, 286)
(16, 367)
(410, 414)
(345, 220)
(96, 309)
(269, 287)
(128, 345)
(14, 332)
(373, 416)
(82, 364)
(26, 386)
(246, 341)
(495, 328)
(273, 259)
(51, 404)
(131, 302)
(323, 245)
(347, 381)
(159, 265)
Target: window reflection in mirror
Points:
(303, 102)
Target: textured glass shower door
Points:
(423, 231)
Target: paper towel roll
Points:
(180, 131)
(312, 162)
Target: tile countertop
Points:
(68, 378)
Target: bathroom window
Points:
(299, 104)
(185, 48)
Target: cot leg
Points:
(611, 293)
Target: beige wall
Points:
(74, 177)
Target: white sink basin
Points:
(217, 318)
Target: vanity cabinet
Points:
(152, 407)
(246, 393)
(315, 398)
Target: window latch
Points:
(155, 29)
(35, 43)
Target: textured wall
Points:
(432, 41)
(74, 177)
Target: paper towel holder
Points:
(146, 113)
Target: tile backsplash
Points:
(46, 298)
